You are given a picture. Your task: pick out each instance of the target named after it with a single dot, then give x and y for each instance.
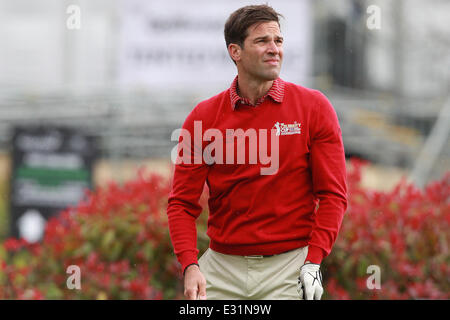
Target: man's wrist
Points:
(309, 262)
(315, 254)
(189, 265)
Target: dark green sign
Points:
(52, 169)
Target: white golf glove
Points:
(309, 285)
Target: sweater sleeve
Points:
(187, 186)
(327, 163)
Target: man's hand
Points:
(194, 283)
(310, 282)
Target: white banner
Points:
(180, 44)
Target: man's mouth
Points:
(273, 62)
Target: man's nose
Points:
(273, 47)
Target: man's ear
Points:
(235, 51)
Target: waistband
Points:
(258, 250)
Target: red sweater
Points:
(255, 214)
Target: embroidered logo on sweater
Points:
(287, 129)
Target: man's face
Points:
(262, 53)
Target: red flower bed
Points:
(404, 232)
(119, 239)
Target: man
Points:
(269, 231)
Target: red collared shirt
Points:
(276, 92)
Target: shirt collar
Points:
(276, 92)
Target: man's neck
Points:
(253, 89)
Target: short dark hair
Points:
(236, 27)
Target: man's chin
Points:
(270, 76)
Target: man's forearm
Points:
(327, 161)
(183, 233)
(327, 224)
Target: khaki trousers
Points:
(232, 277)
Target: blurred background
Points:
(91, 91)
